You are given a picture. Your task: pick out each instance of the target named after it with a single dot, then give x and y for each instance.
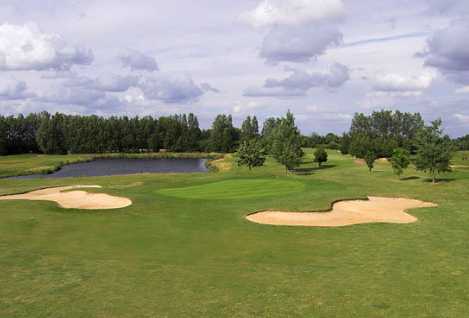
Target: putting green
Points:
(237, 189)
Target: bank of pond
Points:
(124, 166)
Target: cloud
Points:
(272, 92)
(395, 84)
(245, 107)
(299, 82)
(14, 90)
(293, 12)
(109, 82)
(27, 48)
(137, 61)
(447, 51)
(170, 89)
(298, 30)
(206, 87)
(462, 118)
(72, 96)
(299, 44)
(448, 6)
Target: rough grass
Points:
(166, 256)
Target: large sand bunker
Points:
(73, 199)
(343, 213)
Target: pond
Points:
(111, 167)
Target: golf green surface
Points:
(185, 249)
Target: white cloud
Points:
(14, 90)
(299, 82)
(170, 89)
(299, 44)
(106, 82)
(447, 51)
(244, 107)
(293, 12)
(27, 48)
(396, 84)
(462, 118)
(138, 61)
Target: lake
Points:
(111, 167)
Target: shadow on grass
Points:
(439, 180)
(311, 170)
(410, 178)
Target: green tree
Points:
(320, 156)
(400, 160)
(3, 137)
(286, 147)
(250, 154)
(249, 128)
(50, 136)
(222, 134)
(434, 150)
(370, 158)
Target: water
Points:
(111, 167)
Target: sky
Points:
(324, 60)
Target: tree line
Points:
(60, 134)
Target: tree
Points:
(3, 137)
(286, 147)
(345, 144)
(400, 161)
(370, 158)
(320, 156)
(50, 135)
(249, 128)
(223, 134)
(268, 131)
(250, 154)
(434, 150)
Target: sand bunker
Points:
(73, 199)
(343, 213)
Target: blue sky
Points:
(322, 59)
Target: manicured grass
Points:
(236, 189)
(194, 254)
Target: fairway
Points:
(185, 249)
(237, 189)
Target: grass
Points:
(193, 254)
(236, 189)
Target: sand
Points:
(343, 213)
(69, 198)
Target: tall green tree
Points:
(249, 128)
(320, 156)
(50, 135)
(286, 147)
(223, 134)
(434, 150)
(400, 160)
(250, 154)
(268, 132)
(3, 137)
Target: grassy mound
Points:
(237, 189)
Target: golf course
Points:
(182, 246)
